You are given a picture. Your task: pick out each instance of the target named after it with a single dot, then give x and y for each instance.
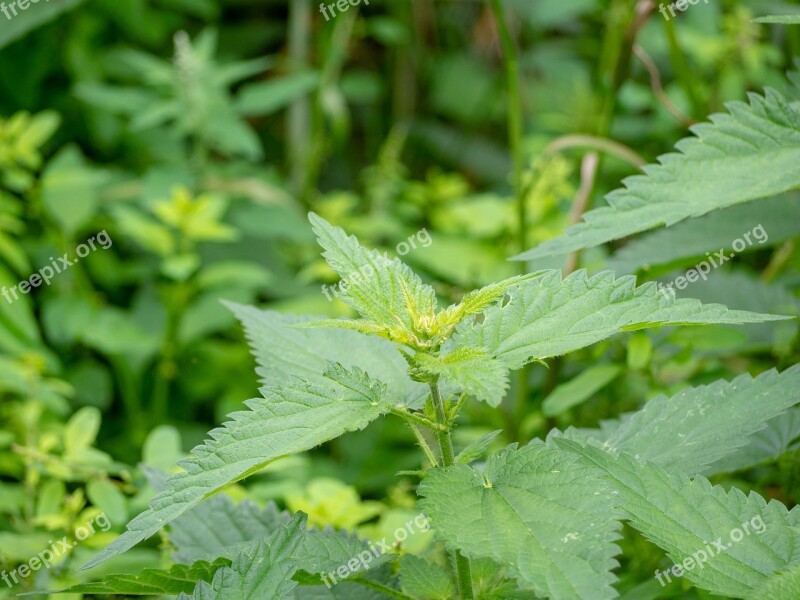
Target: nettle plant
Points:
(535, 520)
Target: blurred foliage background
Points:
(198, 133)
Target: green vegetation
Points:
(507, 343)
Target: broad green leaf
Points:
(549, 316)
(267, 97)
(748, 153)
(424, 580)
(781, 435)
(218, 528)
(162, 447)
(698, 426)
(692, 239)
(283, 351)
(469, 369)
(70, 189)
(81, 429)
(386, 292)
(263, 569)
(782, 586)
(579, 389)
(293, 416)
(109, 499)
(151, 582)
(745, 539)
(535, 509)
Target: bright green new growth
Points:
(542, 512)
(750, 152)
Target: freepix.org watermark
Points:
(17, 4)
(716, 260)
(342, 5)
(56, 266)
(715, 548)
(363, 560)
(56, 549)
(681, 5)
(403, 248)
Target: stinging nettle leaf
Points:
(696, 427)
(472, 370)
(292, 417)
(151, 582)
(685, 517)
(282, 350)
(263, 569)
(748, 153)
(383, 290)
(549, 316)
(548, 518)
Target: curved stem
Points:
(595, 142)
(463, 569)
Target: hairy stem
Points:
(463, 569)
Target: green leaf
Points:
(717, 230)
(267, 97)
(686, 517)
(218, 528)
(579, 389)
(477, 448)
(781, 435)
(383, 290)
(750, 152)
(162, 447)
(151, 582)
(698, 426)
(424, 580)
(107, 497)
(783, 586)
(549, 316)
(283, 350)
(263, 569)
(293, 416)
(469, 369)
(477, 301)
(70, 189)
(81, 430)
(27, 20)
(537, 510)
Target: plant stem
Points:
(423, 444)
(463, 569)
(392, 593)
(515, 142)
(298, 130)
